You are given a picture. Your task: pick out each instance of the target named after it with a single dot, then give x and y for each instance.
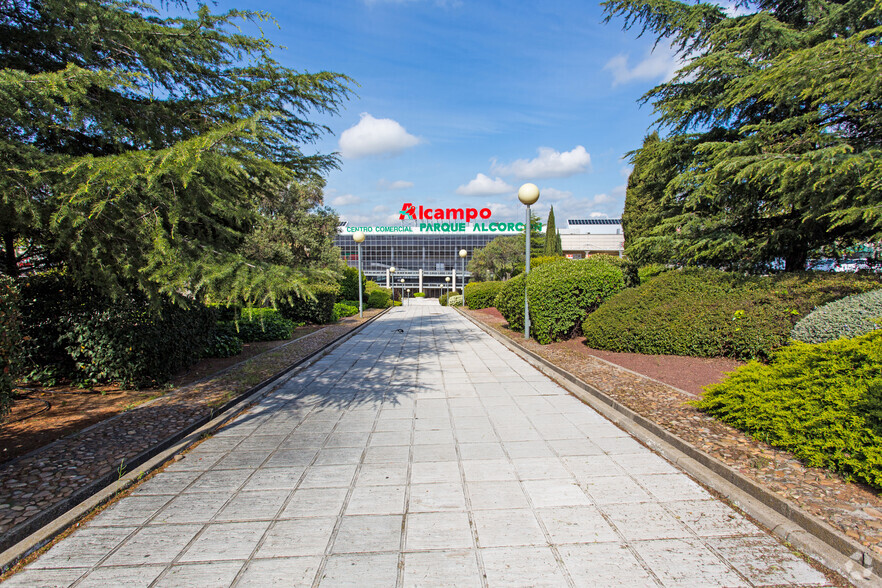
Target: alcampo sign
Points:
(410, 211)
(464, 216)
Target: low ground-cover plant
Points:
(510, 302)
(9, 340)
(481, 294)
(708, 313)
(342, 310)
(821, 402)
(848, 317)
(563, 294)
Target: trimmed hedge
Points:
(821, 402)
(845, 318)
(510, 302)
(419, 295)
(481, 294)
(9, 340)
(563, 294)
(319, 311)
(709, 313)
(379, 298)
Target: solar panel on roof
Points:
(594, 221)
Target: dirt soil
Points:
(39, 416)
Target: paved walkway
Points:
(419, 453)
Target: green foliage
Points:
(455, 300)
(379, 298)
(510, 302)
(537, 262)
(371, 286)
(553, 247)
(223, 346)
(499, 259)
(342, 310)
(258, 324)
(563, 294)
(845, 318)
(647, 272)
(319, 310)
(820, 402)
(708, 313)
(481, 294)
(419, 295)
(349, 284)
(774, 133)
(446, 296)
(161, 153)
(9, 340)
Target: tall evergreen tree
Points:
(159, 152)
(553, 245)
(781, 107)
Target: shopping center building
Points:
(424, 247)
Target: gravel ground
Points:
(854, 509)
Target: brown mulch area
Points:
(38, 480)
(40, 416)
(853, 509)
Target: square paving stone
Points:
(382, 474)
(363, 533)
(274, 479)
(496, 495)
(522, 567)
(361, 571)
(686, 563)
(528, 449)
(295, 537)
(576, 524)
(83, 549)
(453, 569)
(644, 521)
(574, 447)
(618, 445)
(291, 458)
(436, 497)
(376, 500)
(560, 492)
(348, 439)
(476, 435)
(130, 577)
(501, 528)
(282, 571)
(62, 578)
(397, 454)
(315, 502)
(711, 518)
(541, 468)
(134, 510)
(390, 438)
(238, 460)
(673, 487)
(220, 481)
(151, 545)
(224, 541)
(201, 575)
(430, 472)
(764, 561)
(330, 476)
(438, 530)
(259, 506)
(339, 455)
(589, 467)
(195, 463)
(191, 508)
(444, 452)
(484, 470)
(604, 564)
(469, 451)
(166, 483)
(615, 490)
(641, 464)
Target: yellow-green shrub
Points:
(510, 302)
(481, 294)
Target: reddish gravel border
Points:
(853, 509)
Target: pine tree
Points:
(553, 246)
(158, 152)
(781, 110)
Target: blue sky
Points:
(460, 102)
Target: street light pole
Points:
(359, 238)
(392, 273)
(401, 281)
(462, 254)
(528, 194)
(447, 279)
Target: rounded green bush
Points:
(455, 300)
(224, 346)
(845, 318)
(510, 302)
(379, 299)
(342, 310)
(481, 294)
(444, 297)
(419, 295)
(563, 294)
(709, 313)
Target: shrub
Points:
(647, 272)
(845, 318)
(444, 297)
(821, 402)
(379, 298)
(371, 286)
(258, 324)
(455, 300)
(342, 310)
(536, 262)
(563, 294)
(481, 294)
(349, 284)
(510, 302)
(9, 341)
(319, 311)
(75, 332)
(223, 346)
(419, 295)
(709, 313)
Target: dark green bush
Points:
(820, 402)
(258, 324)
(563, 294)
(342, 310)
(379, 298)
(510, 302)
(76, 333)
(709, 313)
(223, 346)
(419, 295)
(481, 294)
(9, 340)
(848, 317)
(349, 284)
(319, 311)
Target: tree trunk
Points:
(795, 260)
(10, 260)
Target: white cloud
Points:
(484, 186)
(599, 215)
(659, 65)
(346, 200)
(375, 136)
(384, 184)
(549, 164)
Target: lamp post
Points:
(359, 238)
(447, 279)
(462, 254)
(392, 272)
(528, 194)
(402, 291)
